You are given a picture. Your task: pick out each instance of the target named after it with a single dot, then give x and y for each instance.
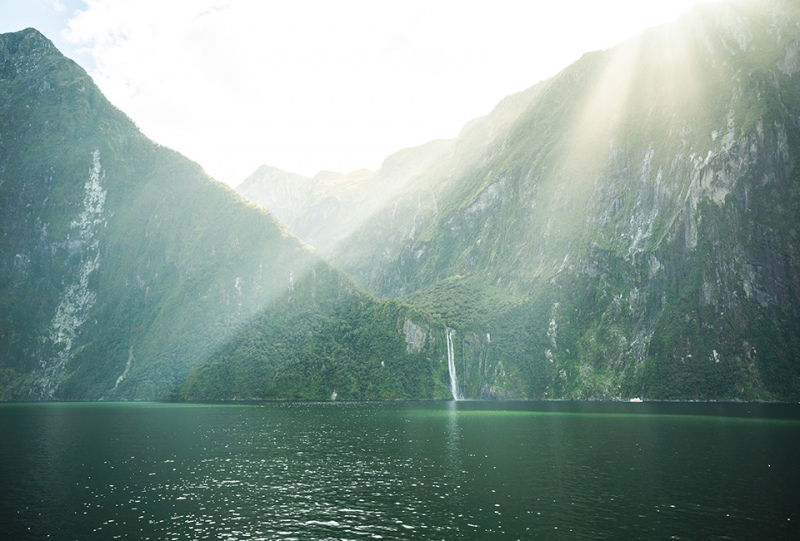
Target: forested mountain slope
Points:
(642, 214)
(123, 265)
(626, 228)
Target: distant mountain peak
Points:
(28, 42)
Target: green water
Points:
(432, 470)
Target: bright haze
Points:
(310, 85)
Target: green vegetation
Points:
(627, 228)
(168, 268)
(327, 340)
(644, 204)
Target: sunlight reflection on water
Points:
(395, 470)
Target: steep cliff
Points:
(123, 266)
(644, 210)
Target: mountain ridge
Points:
(325, 215)
(644, 204)
(124, 266)
(626, 228)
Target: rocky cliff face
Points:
(645, 203)
(123, 267)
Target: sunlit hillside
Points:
(123, 265)
(627, 228)
(325, 211)
(640, 212)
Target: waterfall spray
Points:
(451, 366)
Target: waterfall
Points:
(451, 366)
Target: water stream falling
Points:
(451, 366)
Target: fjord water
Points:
(438, 470)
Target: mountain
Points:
(626, 228)
(126, 272)
(328, 209)
(633, 229)
(309, 206)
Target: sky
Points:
(312, 85)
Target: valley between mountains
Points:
(627, 228)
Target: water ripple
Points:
(389, 471)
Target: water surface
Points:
(438, 470)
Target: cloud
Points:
(312, 84)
